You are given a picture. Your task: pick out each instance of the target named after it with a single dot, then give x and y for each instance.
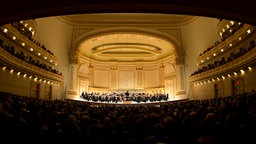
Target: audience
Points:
(210, 121)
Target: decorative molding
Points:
(73, 57)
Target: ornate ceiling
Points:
(125, 46)
(26, 9)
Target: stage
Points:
(130, 102)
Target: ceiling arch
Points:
(27, 9)
(126, 44)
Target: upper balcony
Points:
(225, 46)
(28, 69)
(38, 51)
(245, 61)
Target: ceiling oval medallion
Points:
(126, 47)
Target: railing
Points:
(242, 61)
(27, 67)
(29, 43)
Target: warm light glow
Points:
(223, 77)
(248, 31)
(208, 58)
(235, 73)
(24, 75)
(35, 79)
(218, 78)
(240, 38)
(30, 28)
(14, 38)
(18, 73)
(5, 30)
(45, 57)
(229, 75)
(227, 26)
(222, 50)
(4, 68)
(230, 45)
(232, 22)
(30, 77)
(213, 80)
(23, 44)
(202, 61)
(214, 54)
(11, 71)
(31, 49)
(39, 54)
(242, 71)
(25, 24)
(249, 68)
(51, 61)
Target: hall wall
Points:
(247, 82)
(24, 86)
(127, 77)
(132, 77)
(56, 36)
(197, 37)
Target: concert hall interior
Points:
(127, 72)
(180, 50)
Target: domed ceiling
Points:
(126, 46)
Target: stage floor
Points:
(130, 102)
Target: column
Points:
(139, 79)
(180, 71)
(161, 75)
(180, 77)
(91, 75)
(72, 92)
(113, 78)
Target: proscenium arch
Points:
(26, 9)
(179, 52)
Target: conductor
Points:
(127, 94)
